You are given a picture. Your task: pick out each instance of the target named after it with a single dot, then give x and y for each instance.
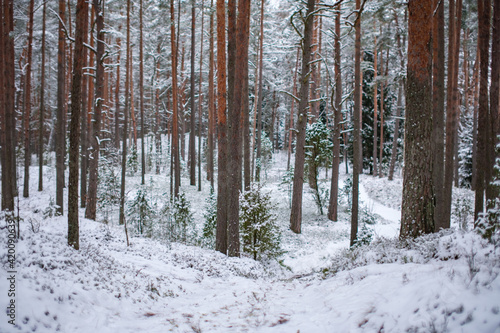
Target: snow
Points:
(442, 282)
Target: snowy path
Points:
(390, 214)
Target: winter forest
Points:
(250, 166)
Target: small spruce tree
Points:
(141, 214)
(261, 237)
(183, 220)
(210, 216)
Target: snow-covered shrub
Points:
(366, 215)
(51, 209)
(132, 161)
(260, 235)
(318, 154)
(266, 153)
(465, 150)
(346, 192)
(140, 213)
(210, 215)
(108, 188)
(462, 211)
(286, 184)
(364, 236)
(182, 219)
(162, 226)
(488, 224)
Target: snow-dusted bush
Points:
(364, 236)
(468, 247)
(210, 215)
(132, 161)
(51, 209)
(318, 154)
(286, 184)
(462, 210)
(140, 214)
(183, 229)
(108, 188)
(260, 235)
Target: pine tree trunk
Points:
(126, 111)
(483, 122)
(259, 97)
(375, 109)
(402, 84)
(60, 123)
(42, 104)
(192, 149)
(292, 112)
(357, 159)
(91, 209)
(222, 188)
(211, 103)
(117, 92)
(452, 112)
(298, 180)
(175, 112)
(84, 129)
(418, 197)
(337, 114)
(240, 109)
(438, 94)
(27, 104)
(382, 90)
(492, 191)
(200, 95)
(74, 129)
(141, 92)
(7, 113)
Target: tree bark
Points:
(141, 92)
(259, 96)
(192, 149)
(493, 191)
(175, 112)
(483, 134)
(42, 105)
(200, 95)
(418, 197)
(60, 123)
(91, 209)
(438, 94)
(357, 159)
(375, 109)
(337, 114)
(74, 130)
(298, 178)
(452, 111)
(211, 103)
(221, 232)
(126, 110)
(117, 92)
(240, 110)
(84, 135)
(7, 119)
(290, 126)
(27, 104)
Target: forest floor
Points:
(445, 282)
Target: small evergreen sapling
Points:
(261, 237)
(183, 229)
(141, 214)
(132, 161)
(318, 154)
(210, 216)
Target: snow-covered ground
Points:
(442, 282)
